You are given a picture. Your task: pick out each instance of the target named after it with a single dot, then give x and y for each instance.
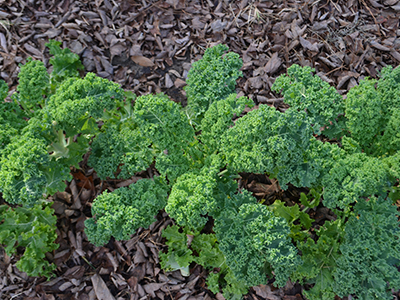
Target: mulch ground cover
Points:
(148, 47)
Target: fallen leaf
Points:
(265, 292)
(308, 45)
(256, 82)
(142, 61)
(273, 64)
(179, 83)
(117, 49)
(218, 25)
(152, 287)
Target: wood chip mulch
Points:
(148, 47)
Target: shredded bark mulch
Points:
(148, 47)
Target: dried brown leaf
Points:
(117, 49)
(197, 23)
(179, 83)
(396, 7)
(153, 287)
(273, 64)
(308, 45)
(390, 2)
(142, 61)
(266, 292)
(256, 82)
(218, 25)
(375, 4)
(323, 25)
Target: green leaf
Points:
(34, 229)
(254, 241)
(179, 256)
(322, 289)
(312, 199)
(305, 92)
(122, 212)
(34, 84)
(209, 254)
(3, 90)
(211, 79)
(173, 138)
(66, 64)
(292, 214)
(56, 174)
(320, 260)
(370, 251)
(78, 100)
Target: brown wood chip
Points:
(100, 288)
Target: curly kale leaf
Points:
(78, 103)
(202, 249)
(389, 142)
(34, 229)
(319, 261)
(218, 118)
(173, 139)
(11, 122)
(27, 172)
(350, 146)
(393, 164)
(66, 64)
(255, 242)
(34, 83)
(191, 198)
(370, 252)
(196, 196)
(3, 90)
(125, 150)
(11, 117)
(280, 144)
(364, 113)
(21, 178)
(373, 113)
(212, 258)
(305, 92)
(354, 176)
(211, 79)
(225, 280)
(6, 132)
(122, 212)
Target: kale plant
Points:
(359, 184)
(346, 152)
(39, 143)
